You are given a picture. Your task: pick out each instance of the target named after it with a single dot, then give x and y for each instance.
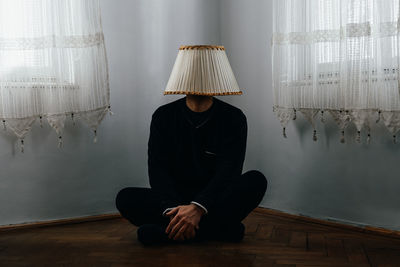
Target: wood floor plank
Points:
(270, 241)
(335, 248)
(264, 231)
(280, 235)
(316, 242)
(355, 252)
(298, 240)
(383, 256)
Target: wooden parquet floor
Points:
(269, 241)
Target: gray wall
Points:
(142, 39)
(326, 179)
(350, 182)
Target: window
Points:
(337, 56)
(52, 64)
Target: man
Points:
(196, 151)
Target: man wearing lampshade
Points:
(196, 152)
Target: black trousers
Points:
(142, 205)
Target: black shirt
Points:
(193, 156)
(198, 119)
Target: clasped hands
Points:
(184, 220)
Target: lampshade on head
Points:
(202, 70)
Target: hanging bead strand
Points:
(4, 125)
(315, 138)
(322, 116)
(284, 132)
(294, 114)
(358, 138)
(109, 111)
(22, 145)
(342, 139)
(60, 142)
(379, 116)
(72, 118)
(95, 136)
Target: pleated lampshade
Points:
(202, 70)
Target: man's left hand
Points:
(185, 219)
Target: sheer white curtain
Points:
(339, 57)
(52, 64)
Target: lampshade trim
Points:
(199, 47)
(200, 93)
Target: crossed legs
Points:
(142, 206)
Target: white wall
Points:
(346, 182)
(142, 39)
(349, 182)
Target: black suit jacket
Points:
(188, 163)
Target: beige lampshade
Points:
(202, 70)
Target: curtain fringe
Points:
(360, 118)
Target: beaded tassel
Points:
(4, 125)
(322, 116)
(369, 138)
(394, 139)
(72, 118)
(295, 114)
(379, 116)
(358, 138)
(109, 111)
(41, 121)
(315, 138)
(60, 142)
(284, 132)
(95, 136)
(342, 140)
(22, 145)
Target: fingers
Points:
(175, 229)
(182, 224)
(182, 231)
(190, 233)
(169, 227)
(172, 223)
(186, 232)
(180, 235)
(173, 211)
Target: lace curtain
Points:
(52, 64)
(339, 57)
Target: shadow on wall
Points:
(11, 140)
(327, 173)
